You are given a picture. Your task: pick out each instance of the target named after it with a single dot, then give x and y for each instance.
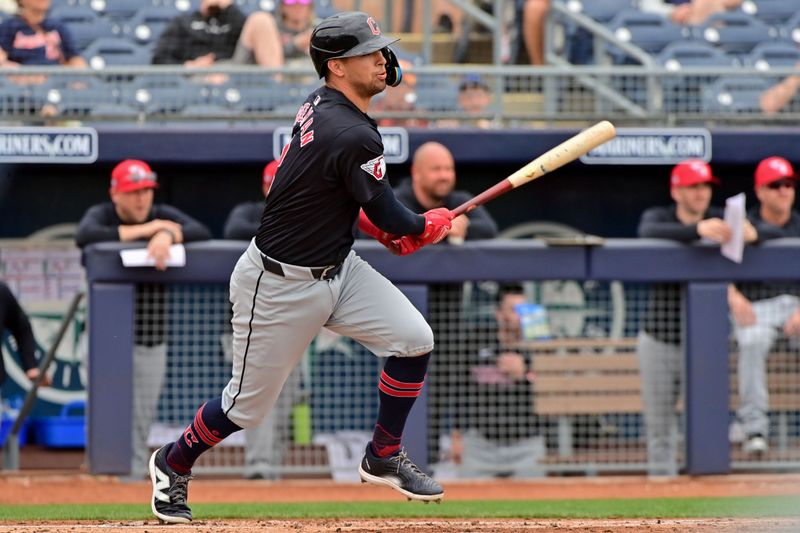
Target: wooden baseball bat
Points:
(569, 150)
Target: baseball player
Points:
(299, 273)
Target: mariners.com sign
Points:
(48, 145)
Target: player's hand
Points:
(33, 373)
(437, 225)
(792, 326)
(741, 308)
(201, 61)
(459, 227)
(750, 232)
(512, 364)
(407, 244)
(158, 249)
(714, 229)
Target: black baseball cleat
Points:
(401, 474)
(170, 490)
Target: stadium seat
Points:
(734, 95)
(648, 31)
(771, 55)
(248, 6)
(436, 94)
(122, 112)
(163, 94)
(85, 24)
(602, 11)
(181, 5)
(682, 91)
(791, 30)
(118, 10)
(146, 26)
(78, 99)
(773, 12)
(736, 32)
(209, 110)
(261, 99)
(110, 52)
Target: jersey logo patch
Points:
(375, 167)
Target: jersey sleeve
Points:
(359, 161)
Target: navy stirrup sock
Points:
(400, 383)
(209, 427)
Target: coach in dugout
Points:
(761, 311)
(659, 351)
(432, 184)
(244, 219)
(132, 216)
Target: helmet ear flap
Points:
(394, 74)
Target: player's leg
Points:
(375, 313)
(149, 368)
(274, 320)
(659, 369)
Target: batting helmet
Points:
(348, 35)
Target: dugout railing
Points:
(333, 405)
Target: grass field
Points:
(772, 506)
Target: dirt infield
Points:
(721, 525)
(73, 489)
(56, 488)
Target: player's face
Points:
(693, 199)
(133, 207)
(436, 173)
(506, 315)
(366, 74)
(778, 196)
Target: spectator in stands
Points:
(534, 13)
(780, 95)
(761, 311)
(688, 12)
(689, 219)
(30, 38)
(219, 31)
(296, 21)
(245, 218)
(14, 320)
(496, 427)
(432, 185)
(130, 216)
(400, 99)
(474, 98)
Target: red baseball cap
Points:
(132, 175)
(691, 172)
(773, 169)
(269, 173)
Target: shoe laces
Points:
(402, 458)
(180, 488)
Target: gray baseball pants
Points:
(755, 343)
(276, 317)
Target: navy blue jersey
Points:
(333, 164)
(52, 45)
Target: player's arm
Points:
(95, 226)
(190, 229)
(20, 327)
(656, 223)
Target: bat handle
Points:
(464, 208)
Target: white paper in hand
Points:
(137, 257)
(734, 218)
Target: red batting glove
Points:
(407, 244)
(437, 226)
(386, 239)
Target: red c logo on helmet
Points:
(373, 26)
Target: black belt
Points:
(323, 273)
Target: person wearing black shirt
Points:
(132, 216)
(245, 218)
(432, 184)
(14, 320)
(762, 310)
(659, 350)
(300, 274)
(219, 31)
(496, 433)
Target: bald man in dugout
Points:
(432, 184)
